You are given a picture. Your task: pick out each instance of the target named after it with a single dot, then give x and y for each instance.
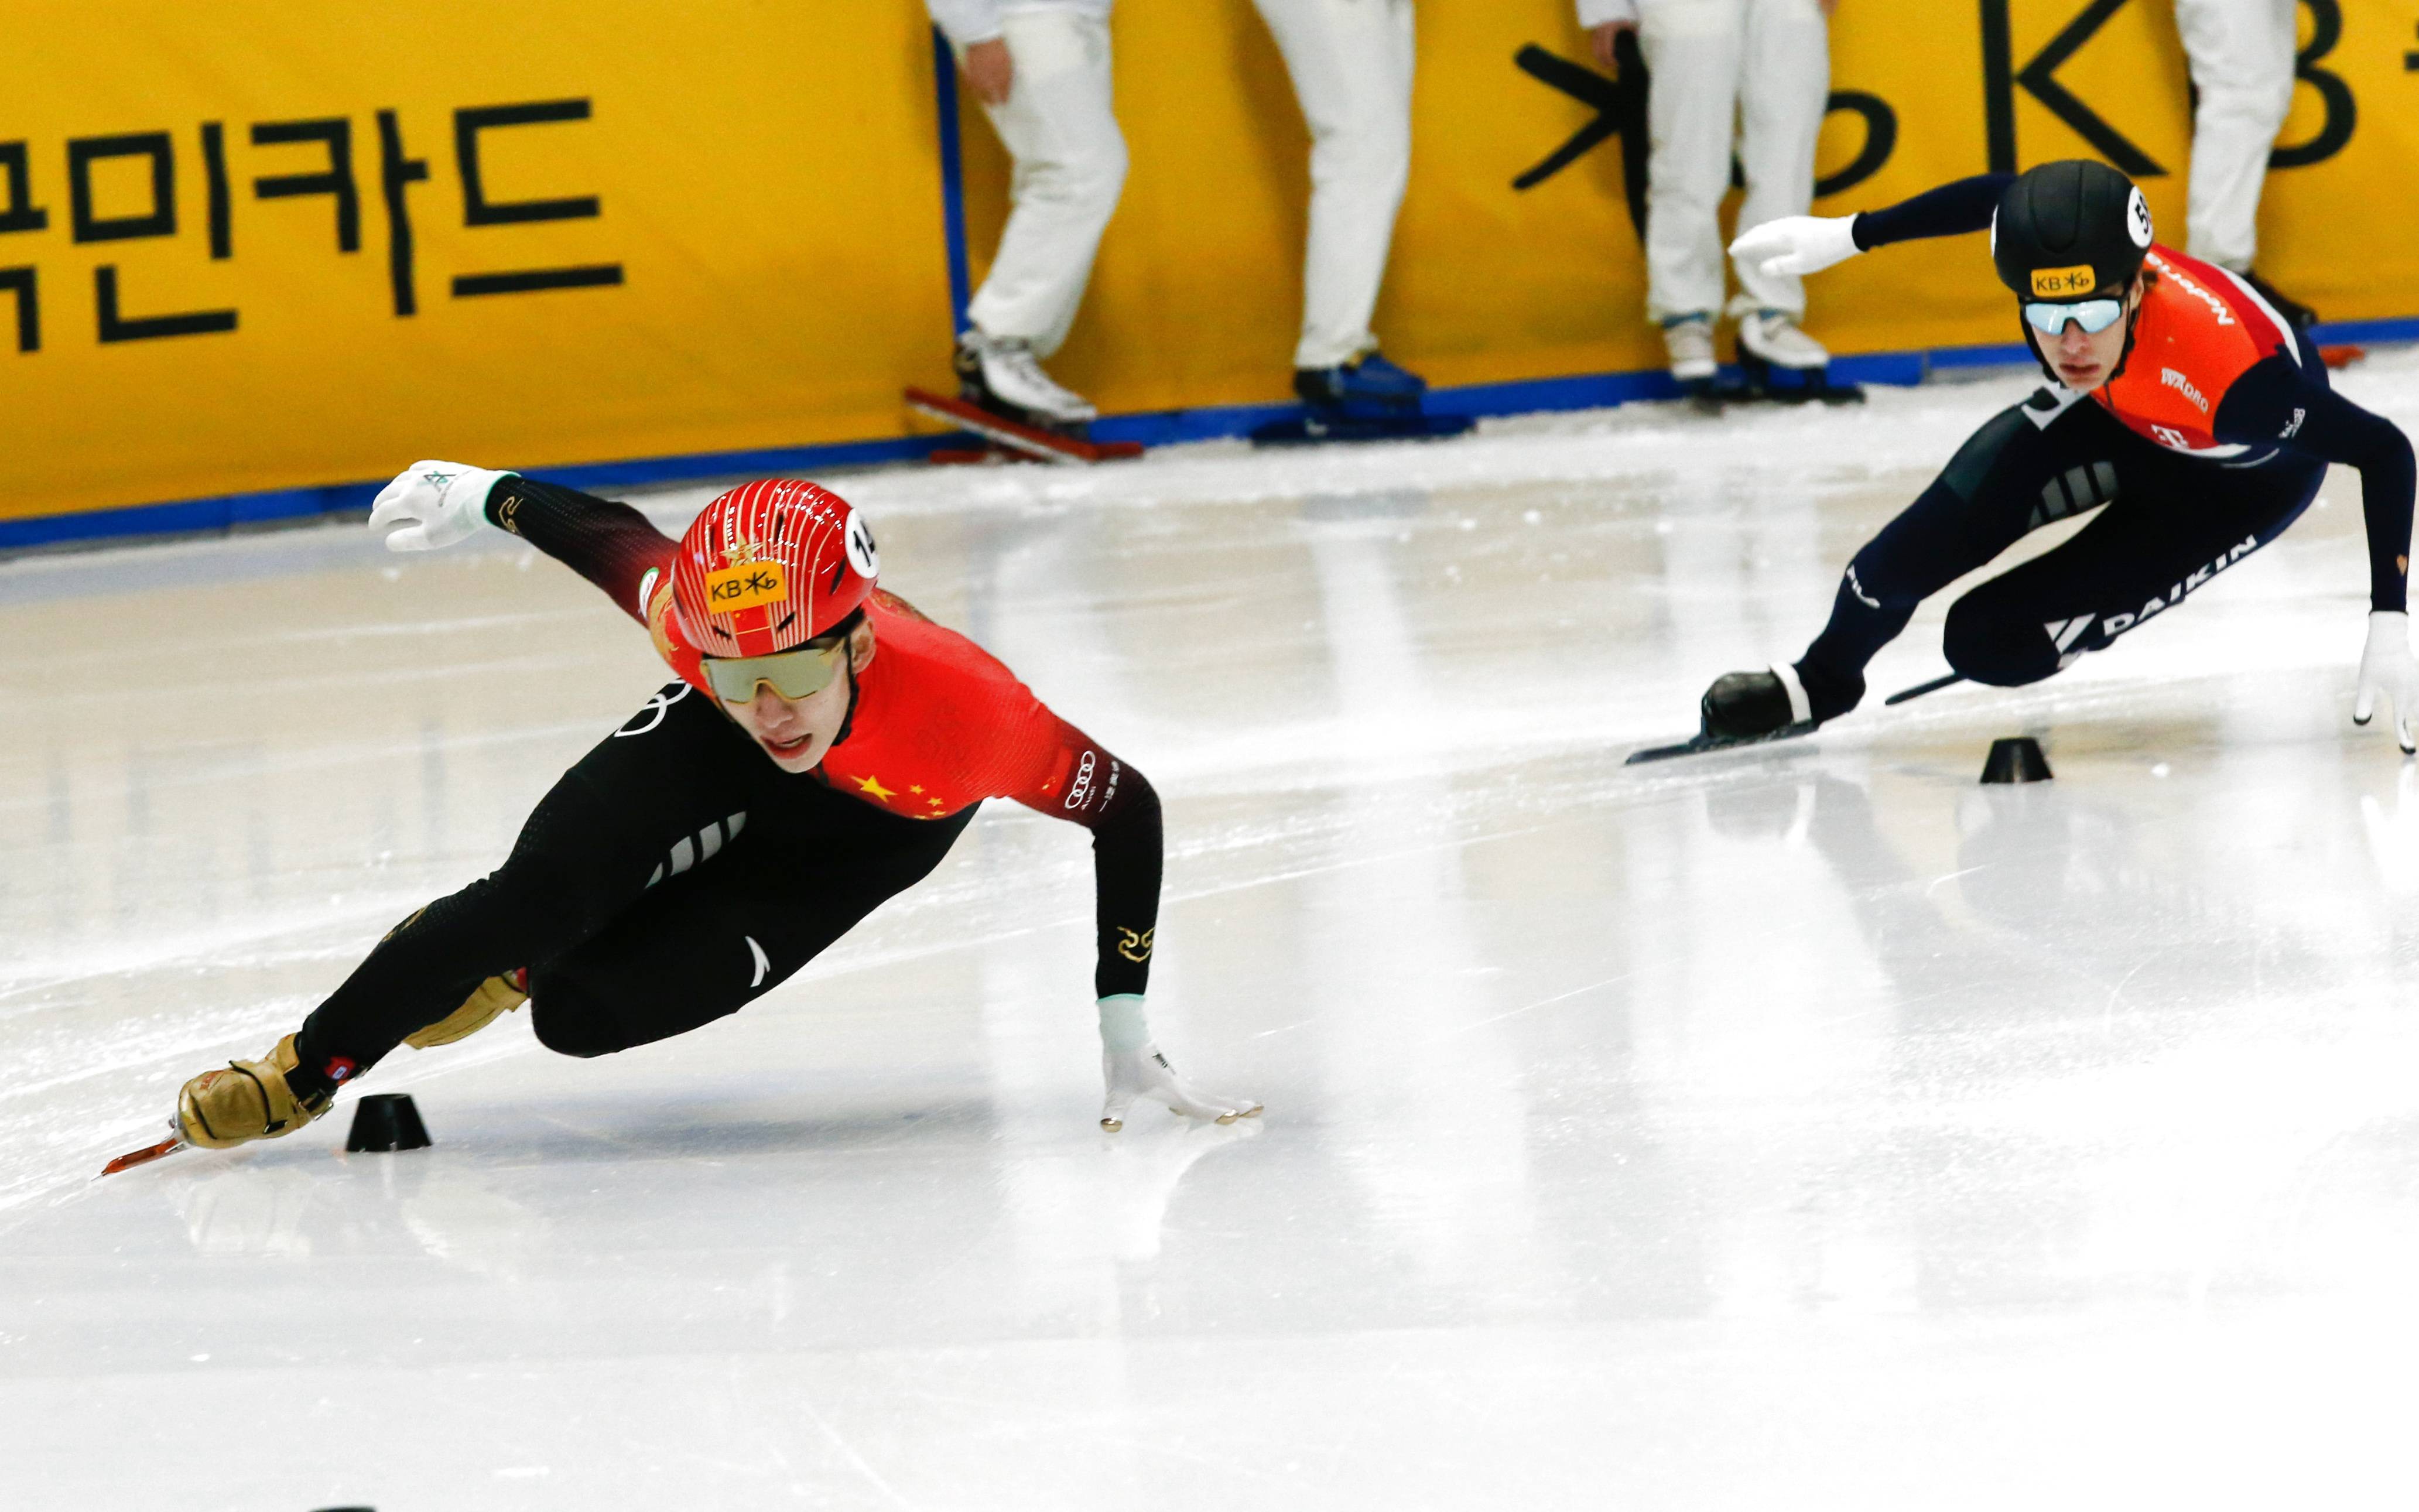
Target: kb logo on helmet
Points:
(2048, 283)
(745, 586)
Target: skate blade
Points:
(143, 1157)
(1701, 745)
(1028, 442)
(1919, 689)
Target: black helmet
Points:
(2070, 230)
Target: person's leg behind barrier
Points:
(1350, 63)
(2241, 58)
(2173, 534)
(1784, 82)
(703, 946)
(1693, 51)
(1061, 129)
(2028, 465)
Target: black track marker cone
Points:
(2015, 759)
(387, 1121)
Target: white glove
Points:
(1797, 244)
(2386, 666)
(437, 503)
(1133, 1068)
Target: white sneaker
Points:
(1689, 341)
(1773, 335)
(1010, 374)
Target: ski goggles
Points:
(2093, 315)
(794, 675)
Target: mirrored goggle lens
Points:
(794, 675)
(2093, 315)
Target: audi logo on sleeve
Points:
(1080, 791)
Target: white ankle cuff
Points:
(1800, 710)
(1122, 1025)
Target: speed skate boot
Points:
(1366, 388)
(254, 1100)
(1743, 706)
(1000, 374)
(1688, 341)
(490, 1001)
(1366, 400)
(2300, 315)
(1780, 361)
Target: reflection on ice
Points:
(1417, 1091)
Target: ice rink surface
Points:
(1804, 1127)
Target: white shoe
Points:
(1773, 335)
(1689, 341)
(1010, 373)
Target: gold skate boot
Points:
(490, 1001)
(248, 1100)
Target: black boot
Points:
(1740, 709)
(1748, 706)
(2301, 316)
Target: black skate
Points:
(2301, 316)
(1709, 395)
(1775, 384)
(1779, 364)
(1368, 399)
(1742, 709)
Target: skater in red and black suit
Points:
(824, 746)
(2181, 403)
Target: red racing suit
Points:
(2212, 371)
(2200, 329)
(937, 723)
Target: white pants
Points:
(1756, 71)
(1351, 67)
(2241, 54)
(1070, 164)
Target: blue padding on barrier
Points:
(1591, 391)
(1167, 427)
(187, 517)
(1900, 369)
(1585, 391)
(2014, 354)
(2343, 332)
(953, 178)
(759, 464)
(202, 515)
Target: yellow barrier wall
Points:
(1196, 297)
(763, 179)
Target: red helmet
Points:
(770, 566)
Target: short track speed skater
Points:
(2183, 408)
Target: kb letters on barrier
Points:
(1620, 103)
